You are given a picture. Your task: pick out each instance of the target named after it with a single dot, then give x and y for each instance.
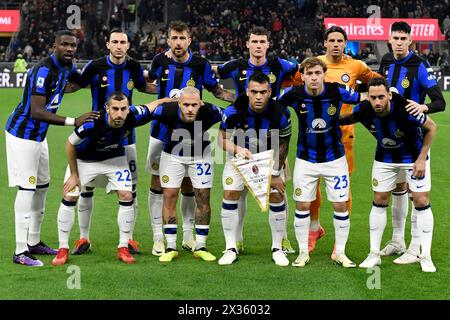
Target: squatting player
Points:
(403, 145)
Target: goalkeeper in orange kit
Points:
(343, 69)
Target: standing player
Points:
(343, 69)
(240, 70)
(410, 76)
(26, 144)
(320, 153)
(96, 155)
(250, 118)
(175, 70)
(113, 72)
(403, 145)
(187, 152)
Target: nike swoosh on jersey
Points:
(306, 111)
(241, 79)
(164, 79)
(104, 85)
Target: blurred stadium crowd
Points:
(219, 28)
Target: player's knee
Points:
(71, 199)
(400, 187)
(275, 197)
(302, 206)
(381, 198)
(155, 183)
(340, 206)
(231, 195)
(125, 196)
(170, 197)
(421, 199)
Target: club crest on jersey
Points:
(244, 72)
(190, 83)
(345, 78)
(155, 166)
(405, 83)
(32, 179)
(165, 179)
(130, 85)
(272, 78)
(105, 78)
(229, 181)
(298, 192)
(331, 110)
(399, 133)
(255, 169)
(375, 182)
(167, 71)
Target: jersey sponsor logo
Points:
(405, 83)
(40, 82)
(54, 104)
(331, 110)
(190, 83)
(389, 143)
(32, 179)
(272, 78)
(229, 181)
(130, 85)
(345, 78)
(375, 182)
(175, 93)
(165, 179)
(318, 126)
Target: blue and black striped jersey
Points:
(105, 77)
(240, 71)
(255, 131)
(412, 78)
(101, 141)
(319, 134)
(399, 136)
(186, 139)
(170, 75)
(47, 78)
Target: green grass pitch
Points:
(254, 275)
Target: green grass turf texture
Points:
(254, 275)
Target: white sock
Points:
(66, 218)
(201, 234)
(23, 209)
(242, 210)
(314, 225)
(377, 223)
(399, 214)
(188, 211)
(135, 212)
(414, 245)
(230, 221)
(155, 204)
(425, 222)
(277, 222)
(85, 208)
(341, 224)
(170, 231)
(37, 215)
(301, 226)
(125, 219)
(286, 214)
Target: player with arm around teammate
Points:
(403, 144)
(96, 155)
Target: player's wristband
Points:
(69, 121)
(276, 172)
